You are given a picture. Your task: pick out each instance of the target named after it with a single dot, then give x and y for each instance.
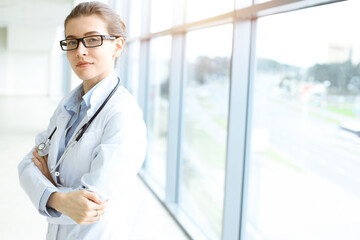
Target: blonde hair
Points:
(115, 26)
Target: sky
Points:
(302, 37)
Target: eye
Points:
(71, 42)
(93, 40)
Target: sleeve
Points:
(116, 160)
(31, 179)
(43, 208)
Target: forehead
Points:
(81, 25)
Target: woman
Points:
(80, 183)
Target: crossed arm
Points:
(83, 206)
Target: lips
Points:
(83, 64)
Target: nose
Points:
(81, 50)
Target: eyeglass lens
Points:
(90, 41)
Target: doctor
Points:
(80, 183)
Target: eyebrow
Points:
(86, 34)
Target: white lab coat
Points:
(105, 161)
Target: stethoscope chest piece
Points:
(43, 148)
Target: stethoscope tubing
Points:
(79, 133)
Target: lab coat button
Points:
(57, 173)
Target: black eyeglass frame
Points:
(103, 37)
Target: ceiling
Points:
(34, 12)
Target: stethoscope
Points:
(43, 148)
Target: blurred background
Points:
(252, 109)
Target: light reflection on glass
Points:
(262, 1)
(132, 80)
(161, 15)
(204, 127)
(201, 9)
(134, 28)
(304, 164)
(158, 110)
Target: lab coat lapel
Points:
(81, 124)
(61, 122)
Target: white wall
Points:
(30, 61)
(3, 61)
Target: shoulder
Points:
(123, 109)
(124, 102)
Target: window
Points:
(204, 126)
(285, 131)
(161, 15)
(158, 101)
(132, 68)
(134, 27)
(201, 9)
(304, 173)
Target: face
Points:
(92, 64)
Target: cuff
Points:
(43, 208)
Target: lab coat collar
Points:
(93, 101)
(71, 102)
(88, 95)
(101, 92)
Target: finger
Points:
(92, 196)
(103, 206)
(43, 160)
(99, 213)
(38, 164)
(37, 155)
(37, 152)
(91, 220)
(99, 207)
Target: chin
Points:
(85, 76)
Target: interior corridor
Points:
(21, 119)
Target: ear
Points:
(119, 45)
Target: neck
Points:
(88, 84)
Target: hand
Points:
(41, 163)
(84, 207)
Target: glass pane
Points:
(262, 1)
(122, 66)
(158, 107)
(132, 80)
(134, 28)
(201, 9)
(204, 127)
(304, 164)
(161, 15)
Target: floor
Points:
(21, 118)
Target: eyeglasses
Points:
(88, 42)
